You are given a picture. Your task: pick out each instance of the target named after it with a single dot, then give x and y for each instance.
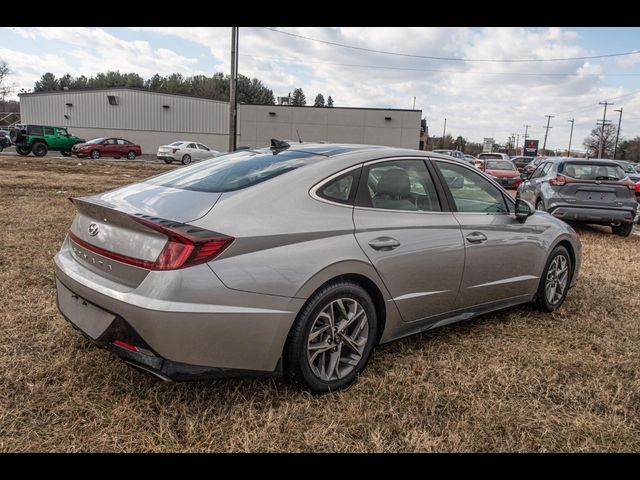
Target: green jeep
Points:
(39, 139)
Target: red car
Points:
(107, 147)
(503, 171)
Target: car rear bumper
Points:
(235, 333)
(592, 215)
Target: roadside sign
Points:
(487, 146)
(531, 148)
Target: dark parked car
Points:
(630, 170)
(107, 147)
(521, 162)
(5, 140)
(584, 190)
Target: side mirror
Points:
(523, 210)
(524, 175)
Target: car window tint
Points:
(399, 185)
(191, 145)
(35, 130)
(593, 171)
(470, 191)
(341, 189)
(48, 130)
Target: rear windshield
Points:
(96, 140)
(490, 155)
(233, 171)
(503, 165)
(176, 144)
(592, 171)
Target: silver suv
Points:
(583, 190)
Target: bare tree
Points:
(592, 142)
(4, 74)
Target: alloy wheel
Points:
(557, 279)
(337, 339)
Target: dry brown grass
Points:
(511, 381)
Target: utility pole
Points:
(546, 132)
(570, 137)
(517, 142)
(524, 138)
(444, 131)
(414, 102)
(233, 87)
(604, 120)
(615, 149)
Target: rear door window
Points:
(398, 185)
(48, 130)
(35, 130)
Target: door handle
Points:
(384, 243)
(476, 237)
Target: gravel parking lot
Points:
(515, 380)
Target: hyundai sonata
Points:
(297, 260)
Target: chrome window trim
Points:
(313, 191)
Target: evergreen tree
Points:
(47, 83)
(299, 100)
(330, 101)
(319, 101)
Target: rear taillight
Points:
(558, 181)
(637, 187)
(186, 246)
(629, 183)
(174, 150)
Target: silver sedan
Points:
(297, 260)
(185, 152)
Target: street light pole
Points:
(570, 137)
(546, 132)
(604, 120)
(444, 131)
(233, 90)
(615, 149)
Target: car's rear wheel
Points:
(555, 280)
(39, 149)
(186, 160)
(624, 229)
(131, 155)
(332, 338)
(540, 205)
(95, 154)
(24, 151)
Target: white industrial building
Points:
(152, 119)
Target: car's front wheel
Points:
(332, 338)
(555, 280)
(624, 229)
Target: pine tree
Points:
(329, 101)
(299, 100)
(319, 101)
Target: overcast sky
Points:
(479, 99)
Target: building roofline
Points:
(143, 90)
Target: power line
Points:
(452, 59)
(460, 72)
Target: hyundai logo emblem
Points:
(94, 228)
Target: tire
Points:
(168, 160)
(558, 256)
(131, 155)
(24, 151)
(39, 149)
(1, 147)
(95, 154)
(186, 160)
(65, 153)
(540, 205)
(624, 229)
(117, 158)
(299, 358)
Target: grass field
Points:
(511, 381)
